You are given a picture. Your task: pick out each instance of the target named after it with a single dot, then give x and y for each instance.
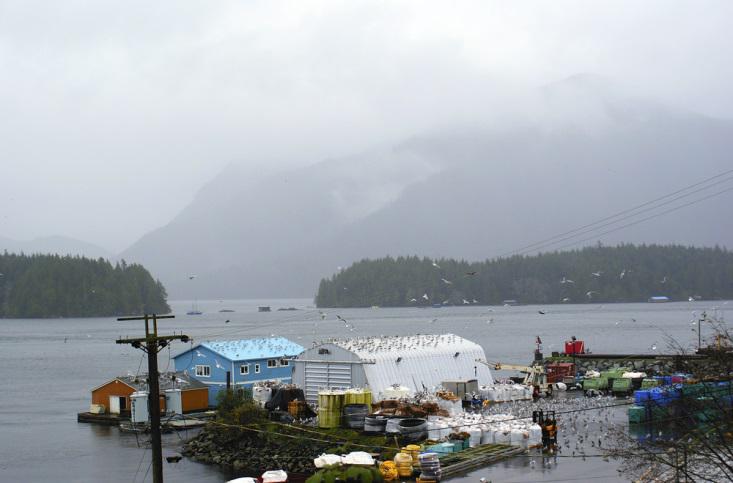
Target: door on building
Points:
(114, 404)
(325, 375)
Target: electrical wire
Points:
(630, 212)
(656, 215)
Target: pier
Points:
(478, 457)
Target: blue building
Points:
(248, 361)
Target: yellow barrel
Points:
(414, 451)
(331, 400)
(328, 418)
(403, 461)
(358, 396)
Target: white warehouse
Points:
(413, 361)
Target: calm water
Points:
(51, 365)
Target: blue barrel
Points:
(667, 380)
(641, 397)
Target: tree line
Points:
(46, 286)
(623, 273)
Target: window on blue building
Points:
(257, 368)
(203, 371)
(271, 362)
(284, 362)
(244, 369)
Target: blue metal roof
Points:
(246, 349)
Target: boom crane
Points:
(535, 376)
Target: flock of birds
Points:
(585, 424)
(564, 281)
(391, 343)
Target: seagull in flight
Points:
(470, 274)
(413, 300)
(218, 366)
(590, 293)
(566, 299)
(191, 277)
(566, 280)
(447, 282)
(425, 296)
(466, 301)
(664, 280)
(435, 264)
(622, 274)
(226, 321)
(597, 274)
(541, 312)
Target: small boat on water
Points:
(264, 308)
(194, 309)
(225, 310)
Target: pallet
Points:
(478, 457)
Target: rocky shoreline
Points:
(242, 450)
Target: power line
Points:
(574, 232)
(656, 215)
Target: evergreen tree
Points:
(39, 286)
(598, 274)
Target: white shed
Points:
(414, 361)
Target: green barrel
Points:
(621, 385)
(637, 414)
(648, 382)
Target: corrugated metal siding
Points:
(334, 369)
(322, 375)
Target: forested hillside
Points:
(625, 273)
(38, 286)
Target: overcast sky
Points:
(113, 114)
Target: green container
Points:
(598, 383)
(659, 412)
(647, 383)
(621, 385)
(637, 414)
(614, 373)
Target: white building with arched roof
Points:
(414, 361)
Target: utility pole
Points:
(152, 344)
(703, 317)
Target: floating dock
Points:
(470, 459)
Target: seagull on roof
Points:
(566, 280)
(447, 282)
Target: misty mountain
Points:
(583, 151)
(54, 245)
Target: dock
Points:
(473, 458)
(103, 419)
